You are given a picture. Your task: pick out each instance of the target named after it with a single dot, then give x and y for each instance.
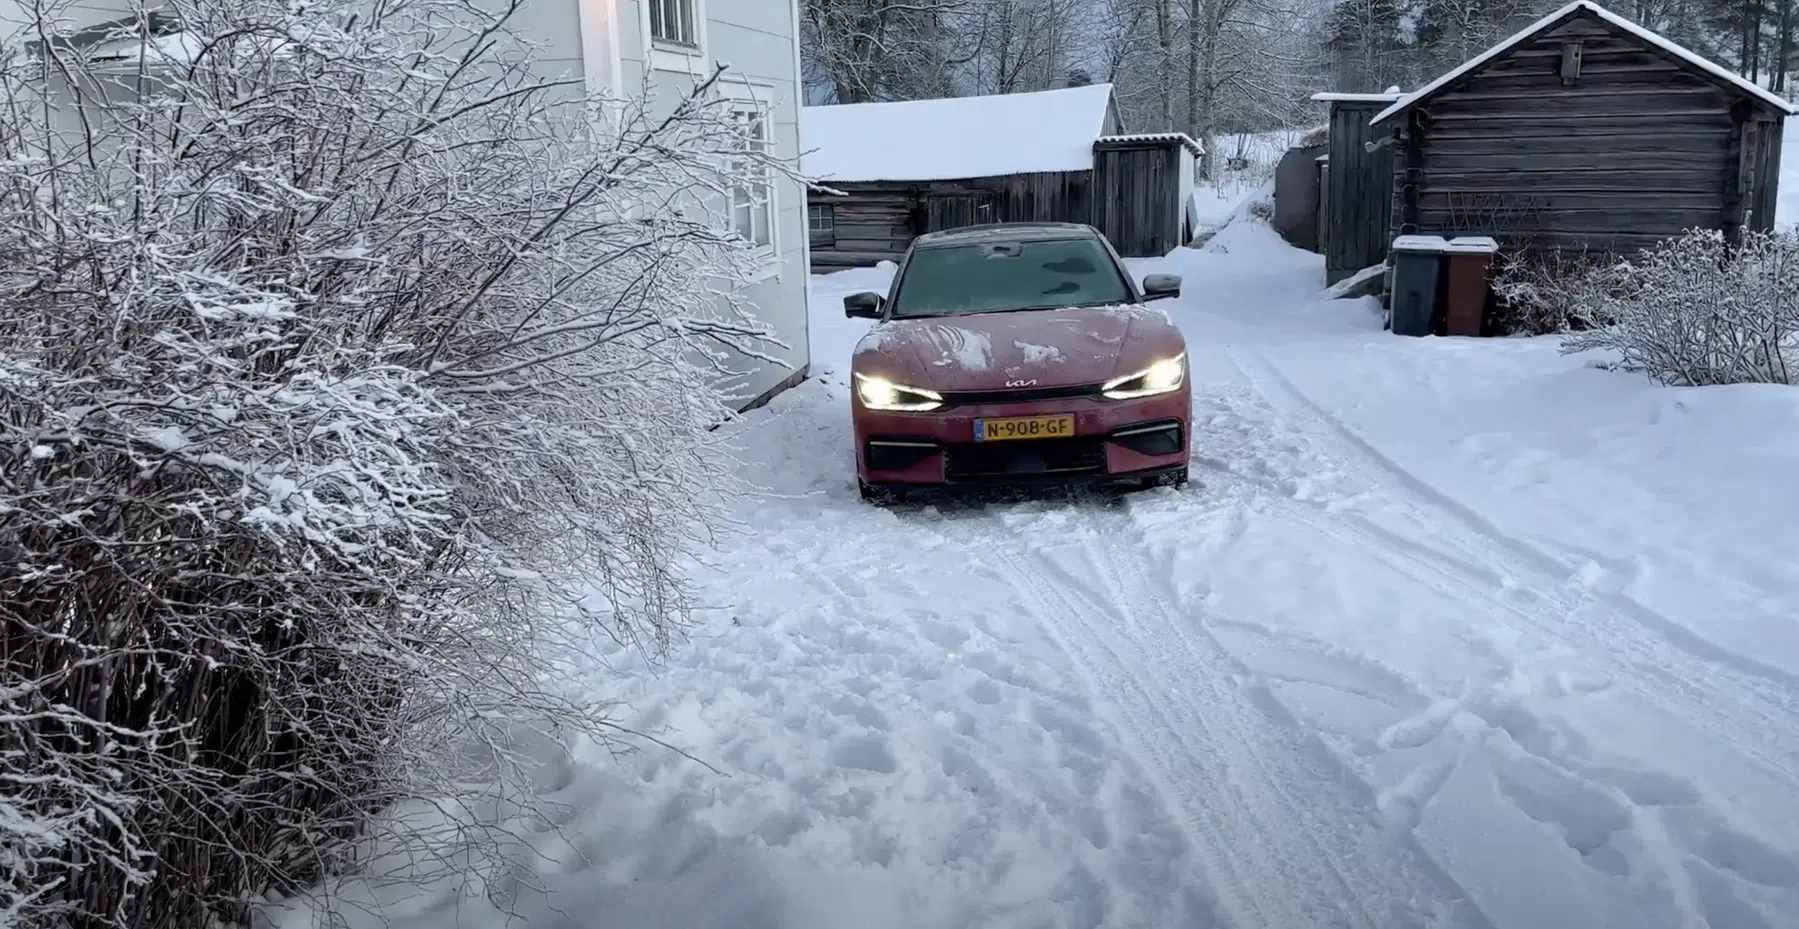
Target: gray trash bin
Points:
(1417, 271)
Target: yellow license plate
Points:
(1023, 427)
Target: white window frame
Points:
(754, 102)
(669, 55)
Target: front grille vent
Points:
(1048, 458)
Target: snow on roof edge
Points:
(1646, 35)
(1331, 96)
(1186, 140)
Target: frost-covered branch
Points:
(1695, 310)
(346, 358)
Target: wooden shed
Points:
(887, 172)
(1358, 187)
(1584, 131)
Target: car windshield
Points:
(988, 277)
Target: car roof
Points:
(1005, 232)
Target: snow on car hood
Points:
(993, 351)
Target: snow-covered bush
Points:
(1693, 310)
(1697, 311)
(342, 356)
(1537, 295)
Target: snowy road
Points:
(1434, 639)
(1314, 689)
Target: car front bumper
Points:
(1112, 439)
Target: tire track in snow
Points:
(1716, 692)
(1740, 705)
(1288, 839)
(1516, 550)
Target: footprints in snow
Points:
(1609, 814)
(1728, 850)
(1586, 816)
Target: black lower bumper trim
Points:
(1158, 438)
(896, 454)
(1129, 480)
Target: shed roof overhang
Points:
(1148, 138)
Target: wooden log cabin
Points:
(887, 172)
(1583, 131)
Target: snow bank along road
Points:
(1312, 689)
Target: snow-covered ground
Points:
(1445, 633)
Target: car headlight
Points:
(1160, 378)
(886, 396)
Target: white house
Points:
(618, 45)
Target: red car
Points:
(1018, 354)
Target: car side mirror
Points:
(865, 305)
(1161, 286)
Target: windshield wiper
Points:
(1011, 309)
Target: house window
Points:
(821, 223)
(752, 196)
(675, 22)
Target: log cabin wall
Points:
(872, 223)
(876, 220)
(1584, 137)
(1132, 195)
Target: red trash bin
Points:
(1470, 261)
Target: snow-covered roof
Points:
(1186, 140)
(1691, 59)
(175, 48)
(956, 137)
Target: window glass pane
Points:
(673, 21)
(991, 276)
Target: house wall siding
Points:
(757, 38)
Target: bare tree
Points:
(865, 50)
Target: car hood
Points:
(995, 351)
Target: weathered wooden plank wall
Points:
(1132, 201)
(1636, 149)
(1054, 196)
(1770, 133)
(1361, 185)
(1131, 195)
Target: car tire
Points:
(878, 496)
(1175, 479)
